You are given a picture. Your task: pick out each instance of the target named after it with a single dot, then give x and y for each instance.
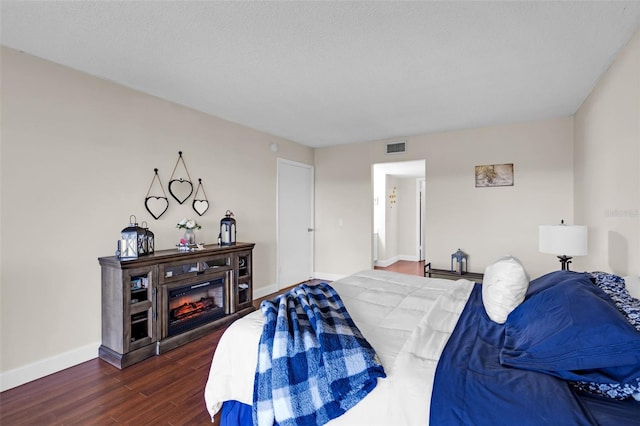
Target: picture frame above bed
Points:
(494, 175)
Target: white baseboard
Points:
(36, 370)
(409, 257)
(386, 262)
(326, 276)
(391, 261)
(264, 291)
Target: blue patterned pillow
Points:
(614, 287)
(570, 328)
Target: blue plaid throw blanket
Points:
(313, 362)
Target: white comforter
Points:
(407, 319)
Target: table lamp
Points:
(564, 241)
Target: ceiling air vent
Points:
(397, 147)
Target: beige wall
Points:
(78, 155)
(486, 223)
(607, 172)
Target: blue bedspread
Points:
(313, 362)
(472, 387)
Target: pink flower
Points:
(183, 241)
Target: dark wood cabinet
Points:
(158, 302)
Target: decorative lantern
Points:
(131, 243)
(460, 266)
(227, 236)
(149, 242)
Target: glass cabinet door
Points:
(140, 294)
(244, 290)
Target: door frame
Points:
(280, 163)
(420, 216)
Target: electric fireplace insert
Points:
(193, 305)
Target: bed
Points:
(451, 349)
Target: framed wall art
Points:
(494, 175)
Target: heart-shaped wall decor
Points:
(156, 206)
(180, 189)
(200, 206)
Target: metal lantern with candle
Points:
(149, 239)
(227, 236)
(131, 243)
(460, 259)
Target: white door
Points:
(295, 223)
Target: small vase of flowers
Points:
(189, 226)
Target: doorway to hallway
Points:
(399, 201)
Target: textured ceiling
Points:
(327, 73)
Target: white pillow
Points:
(632, 283)
(504, 286)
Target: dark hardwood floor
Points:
(406, 267)
(166, 389)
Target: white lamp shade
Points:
(563, 240)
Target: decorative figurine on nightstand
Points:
(460, 266)
(227, 236)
